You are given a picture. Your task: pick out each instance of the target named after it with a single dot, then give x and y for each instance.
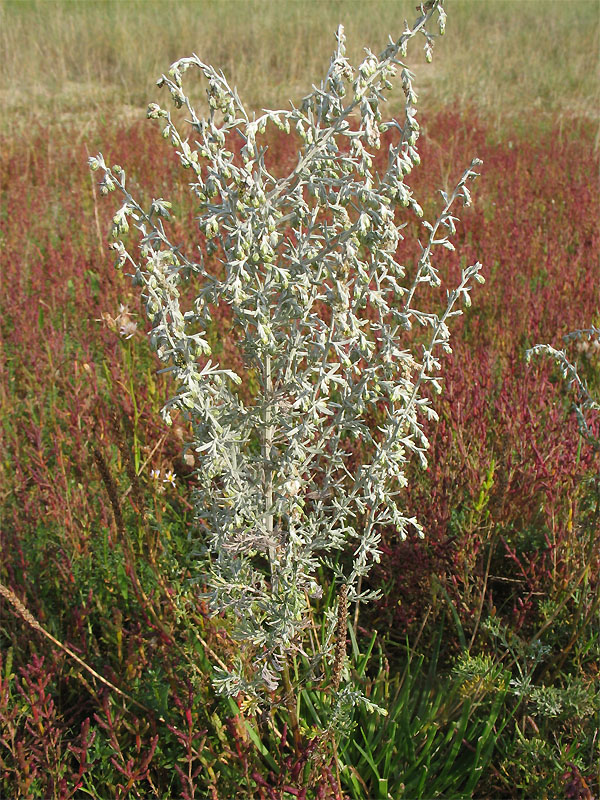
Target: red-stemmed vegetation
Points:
(96, 544)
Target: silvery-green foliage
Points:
(304, 258)
(588, 344)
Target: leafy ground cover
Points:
(488, 646)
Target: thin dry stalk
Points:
(111, 490)
(338, 664)
(290, 702)
(101, 250)
(25, 614)
(124, 445)
(482, 598)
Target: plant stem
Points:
(290, 703)
(268, 469)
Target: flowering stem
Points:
(268, 467)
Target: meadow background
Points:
(488, 632)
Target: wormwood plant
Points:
(588, 344)
(323, 311)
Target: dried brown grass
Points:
(81, 61)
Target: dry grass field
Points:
(77, 60)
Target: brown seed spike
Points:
(340, 636)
